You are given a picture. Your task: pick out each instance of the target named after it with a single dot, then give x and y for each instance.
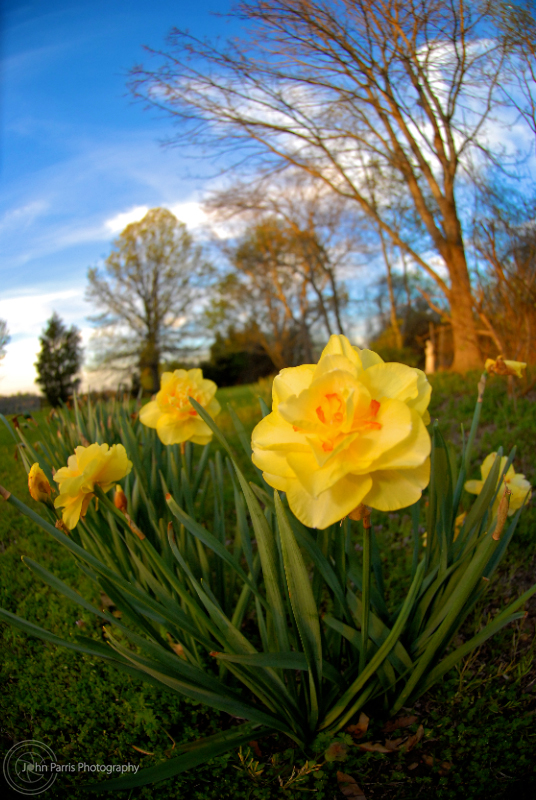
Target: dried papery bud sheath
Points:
(61, 526)
(498, 366)
(4, 492)
(134, 528)
(361, 512)
(502, 514)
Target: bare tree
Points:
(344, 89)
(268, 290)
(146, 290)
(516, 22)
(504, 238)
(320, 231)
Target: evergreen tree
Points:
(59, 360)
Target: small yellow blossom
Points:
(498, 366)
(96, 465)
(458, 524)
(346, 431)
(515, 482)
(38, 484)
(171, 412)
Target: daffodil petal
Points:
(393, 489)
(396, 381)
(338, 344)
(150, 414)
(332, 505)
(474, 487)
(290, 381)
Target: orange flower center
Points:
(331, 412)
(177, 398)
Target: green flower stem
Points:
(365, 592)
(476, 419)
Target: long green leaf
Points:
(264, 536)
(303, 605)
(340, 714)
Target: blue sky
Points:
(80, 159)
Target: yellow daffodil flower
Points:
(172, 414)
(516, 482)
(38, 484)
(346, 431)
(498, 366)
(95, 465)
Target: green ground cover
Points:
(479, 732)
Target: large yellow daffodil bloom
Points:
(171, 412)
(515, 481)
(97, 464)
(346, 431)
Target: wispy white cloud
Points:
(119, 222)
(27, 312)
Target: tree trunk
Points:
(467, 353)
(392, 302)
(464, 333)
(155, 372)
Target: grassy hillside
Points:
(479, 723)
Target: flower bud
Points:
(502, 514)
(38, 484)
(120, 499)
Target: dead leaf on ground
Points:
(374, 747)
(428, 760)
(412, 741)
(400, 722)
(359, 730)
(337, 751)
(256, 749)
(106, 601)
(414, 765)
(445, 767)
(394, 744)
(349, 787)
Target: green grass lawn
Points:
(479, 722)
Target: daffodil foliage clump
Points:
(251, 597)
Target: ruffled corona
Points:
(348, 430)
